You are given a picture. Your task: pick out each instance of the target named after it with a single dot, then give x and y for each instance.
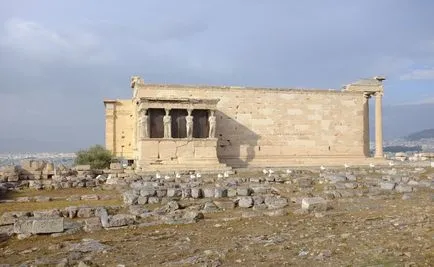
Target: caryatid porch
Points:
(176, 133)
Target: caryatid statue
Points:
(143, 122)
(189, 124)
(212, 124)
(167, 121)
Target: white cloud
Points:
(34, 41)
(419, 74)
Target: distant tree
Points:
(96, 156)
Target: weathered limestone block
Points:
(130, 197)
(153, 200)
(387, 185)
(162, 192)
(42, 199)
(402, 188)
(46, 213)
(220, 192)
(85, 212)
(225, 204)
(148, 192)
(314, 204)
(186, 193)
(119, 220)
(174, 192)
(245, 202)
(92, 224)
(257, 200)
(338, 178)
(208, 192)
(243, 191)
(89, 197)
(142, 200)
(196, 192)
(275, 202)
(39, 226)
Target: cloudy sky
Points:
(60, 59)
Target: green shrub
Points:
(96, 156)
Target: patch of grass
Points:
(58, 192)
(59, 204)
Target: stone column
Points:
(212, 124)
(167, 120)
(366, 143)
(378, 125)
(189, 123)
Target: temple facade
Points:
(181, 127)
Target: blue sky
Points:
(59, 59)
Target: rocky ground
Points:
(354, 217)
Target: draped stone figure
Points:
(167, 121)
(212, 125)
(143, 124)
(189, 124)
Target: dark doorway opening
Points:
(157, 126)
(200, 123)
(179, 128)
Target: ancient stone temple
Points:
(181, 127)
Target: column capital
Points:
(379, 94)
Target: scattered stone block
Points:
(89, 197)
(338, 178)
(148, 192)
(314, 204)
(402, 188)
(142, 200)
(220, 192)
(245, 202)
(225, 204)
(208, 192)
(130, 197)
(119, 220)
(153, 200)
(85, 212)
(275, 202)
(23, 199)
(196, 193)
(92, 224)
(42, 199)
(174, 192)
(387, 185)
(39, 226)
(244, 191)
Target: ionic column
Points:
(212, 124)
(366, 143)
(378, 125)
(189, 123)
(167, 120)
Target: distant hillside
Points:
(403, 120)
(424, 134)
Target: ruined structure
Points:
(180, 127)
